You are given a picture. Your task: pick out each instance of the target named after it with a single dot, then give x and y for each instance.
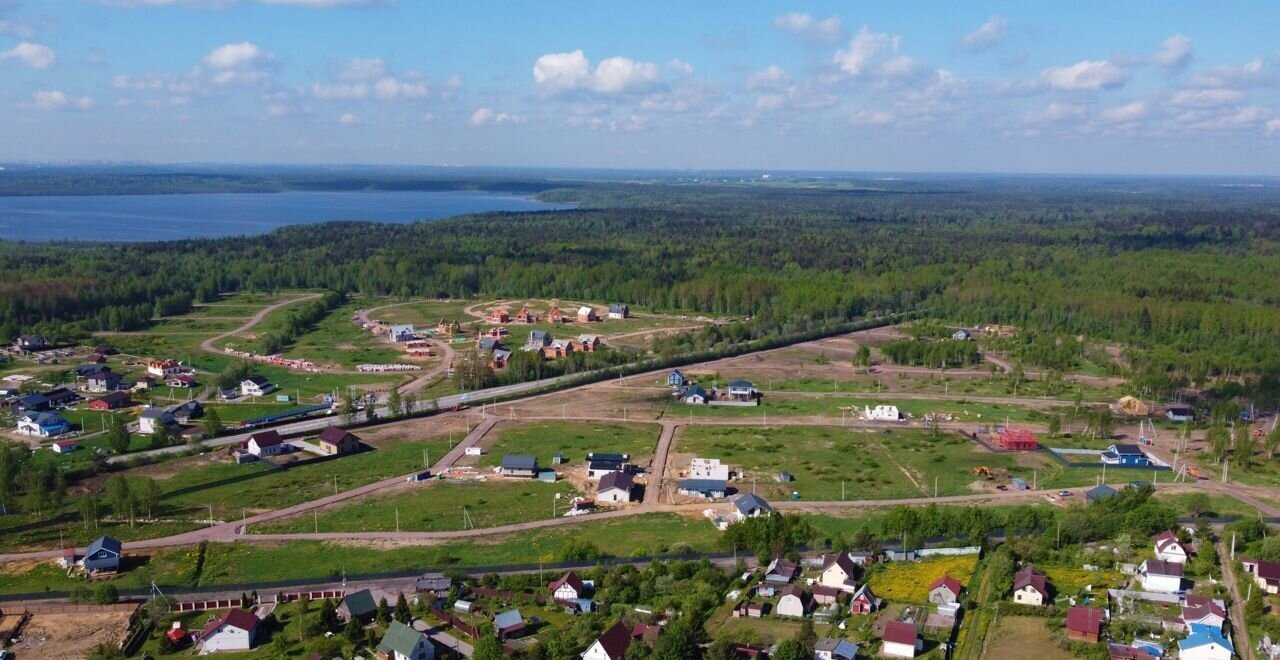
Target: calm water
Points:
(166, 217)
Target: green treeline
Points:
(1190, 281)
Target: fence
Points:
(458, 624)
(53, 608)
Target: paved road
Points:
(1235, 607)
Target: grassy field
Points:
(224, 311)
(1219, 505)
(574, 439)
(337, 340)
(203, 326)
(1023, 637)
(838, 405)
(872, 465)
(909, 582)
(423, 314)
(189, 486)
(647, 534)
(435, 506)
(238, 412)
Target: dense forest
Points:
(1188, 280)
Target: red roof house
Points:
(1084, 623)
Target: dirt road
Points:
(207, 345)
(1235, 608)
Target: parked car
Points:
(1064, 493)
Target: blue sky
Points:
(1093, 87)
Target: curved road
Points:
(207, 345)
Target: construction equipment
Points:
(984, 472)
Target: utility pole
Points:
(315, 517)
(210, 515)
(397, 520)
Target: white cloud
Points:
(1127, 113)
(36, 56)
(820, 32)
(680, 67)
(771, 78)
(1088, 75)
(987, 35)
(233, 56)
(489, 117)
(1174, 53)
(14, 28)
(1273, 127)
(341, 92)
(871, 118)
(1206, 98)
(363, 69)
(620, 74)
(56, 100)
(390, 89)
(1247, 118)
(251, 78)
(903, 67)
(1056, 112)
(277, 110)
(629, 124)
(559, 73)
(1249, 73)
(348, 119)
(864, 47)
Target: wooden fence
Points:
(460, 625)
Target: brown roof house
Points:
(1084, 623)
(335, 441)
(1030, 587)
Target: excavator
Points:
(984, 472)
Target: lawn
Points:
(574, 439)
(201, 326)
(908, 581)
(1023, 637)
(310, 387)
(435, 506)
(223, 311)
(231, 413)
(1219, 505)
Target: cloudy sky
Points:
(1084, 86)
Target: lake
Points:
(168, 217)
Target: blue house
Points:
(1205, 643)
(1129, 455)
(706, 488)
(676, 378)
(103, 555)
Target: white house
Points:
(750, 505)
(153, 419)
(42, 424)
(568, 588)
(1203, 611)
(1168, 548)
(402, 333)
(708, 468)
(794, 602)
(265, 443)
(834, 649)
(837, 571)
(404, 643)
(256, 386)
(901, 640)
(882, 414)
(1030, 587)
(619, 311)
(237, 630)
(945, 590)
(615, 488)
(612, 645)
(1159, 575)
(164, 368)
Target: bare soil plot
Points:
(69, 635)
(1022, 637)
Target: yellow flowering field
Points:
(1071, 580)
(909, 581)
